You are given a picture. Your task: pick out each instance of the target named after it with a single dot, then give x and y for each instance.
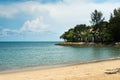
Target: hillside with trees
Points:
(99, 30)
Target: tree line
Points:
(99, 31)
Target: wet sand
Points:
(88, 71)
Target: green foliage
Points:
(68, 36)
(114, 25)
(96, 17)
(79, 32)
(99, 31)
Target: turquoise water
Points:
(24, 55)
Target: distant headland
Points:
(100, 32)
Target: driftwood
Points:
(113, 71)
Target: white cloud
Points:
(61, 11)
(36, 25)
(7, 11)
(5, 32)
(79, 11)
(67, 13)
(32, 8)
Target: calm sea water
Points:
(25, 55)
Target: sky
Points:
(46, 20)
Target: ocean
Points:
(18, 56)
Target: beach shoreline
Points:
(83, 71)
(89, 44)
(30, 68)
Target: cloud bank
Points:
(56, 17)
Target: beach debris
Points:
(112, 71)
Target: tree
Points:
(99, 31)
(104, 35)
(68, 35)
(77, 34)
(79, 31)
(96, 17)
(114, 25)
(96, 20)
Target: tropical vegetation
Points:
(99, 30)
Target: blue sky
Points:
(46, 20)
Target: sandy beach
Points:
(89, 71)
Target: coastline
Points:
(81, 71)
(29, 68)
(88, 44)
